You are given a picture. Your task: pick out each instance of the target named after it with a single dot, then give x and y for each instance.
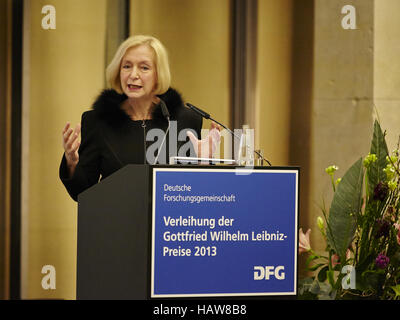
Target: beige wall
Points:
(301, 95)
(197, 37)
(387, 68)
(274, 80)
(341, 120)
(64, 72)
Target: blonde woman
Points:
(113, 134)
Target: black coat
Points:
(110, 139)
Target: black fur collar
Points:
(107, 106)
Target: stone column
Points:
(342, 106)
(387, 68)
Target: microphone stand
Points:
(207, 116)
(165, 113)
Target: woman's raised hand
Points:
(71, 145)
(206, 147)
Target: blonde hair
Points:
(161, 62)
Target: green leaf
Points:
(379, 148)
(345, 206)
(316, 266)
(331, 278)
(396, 290)
(322, 274)
(373, 279)
(311, 258)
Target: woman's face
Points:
(138, 72)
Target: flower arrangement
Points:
(361, 231)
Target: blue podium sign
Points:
(219, 233)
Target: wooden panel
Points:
(5, 145)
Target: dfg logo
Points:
(261, 273)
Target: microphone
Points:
(164, 110)
(207, 116)
(165, 113)
(199, 111)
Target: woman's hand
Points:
(206, 147)
(71, 145)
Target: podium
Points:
(150, 232)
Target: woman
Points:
(113, 134)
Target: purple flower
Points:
(381, 261)
(381, 191)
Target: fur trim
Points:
(108, 106)
(173, 99)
